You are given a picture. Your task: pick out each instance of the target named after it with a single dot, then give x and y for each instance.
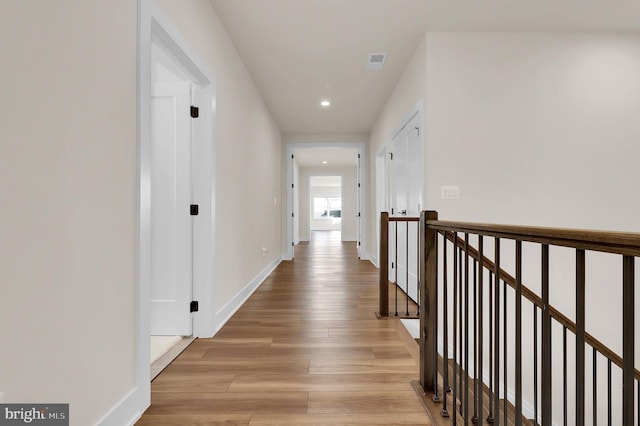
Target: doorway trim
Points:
(381, 201)
(155, 27)
(361, 147)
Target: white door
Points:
(406, 170)
(171, 222)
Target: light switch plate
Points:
(450, 192)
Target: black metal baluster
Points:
(580, 332)
(454, 402)
(518, 333)
(504, 351)
(476, 386)
(466, 328)
(564, 372)
(479, 327)
(628, 338)
(445, 329)
(638, 403)
(460, 326)
(535, 364)
(406, 269)
(594, 401)
(496, 334)
(490, 417)
(609, 405)
(396, 270)
(546, 391)
(436, 396)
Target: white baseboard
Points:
(374, 261)
(129, 410)
(224, 314)
(349, 238)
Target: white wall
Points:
(247, 139)
(68, 205)
(545, 126)
(349, 199)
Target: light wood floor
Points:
(306, 349)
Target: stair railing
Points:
(477, 373)
(399, 266)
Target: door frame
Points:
(382, 195)
(417, 110)
(361, 147)
(153, 25)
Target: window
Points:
(327, 208)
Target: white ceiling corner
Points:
(301, 51)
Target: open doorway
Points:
(345, 161)
(325, 210)
(172, 228)
(177, 182)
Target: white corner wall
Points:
(543, 128)
(249, 196)
(68, 185)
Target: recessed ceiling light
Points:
(325, 103)
(325, 162)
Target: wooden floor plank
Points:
(305, 349)
(407, 419)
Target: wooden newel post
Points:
(428, 302)
(384, 265)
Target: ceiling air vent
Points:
(376, 61)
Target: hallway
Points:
(305, 349)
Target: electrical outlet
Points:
(450, 192)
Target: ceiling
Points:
(299, 52)
(335, 157)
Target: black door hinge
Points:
(391, 155)
(358, 214)
(193, 306)
(195, 111)
(193, 209)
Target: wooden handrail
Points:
(623, 243)
(537, 300)
(403, 219)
